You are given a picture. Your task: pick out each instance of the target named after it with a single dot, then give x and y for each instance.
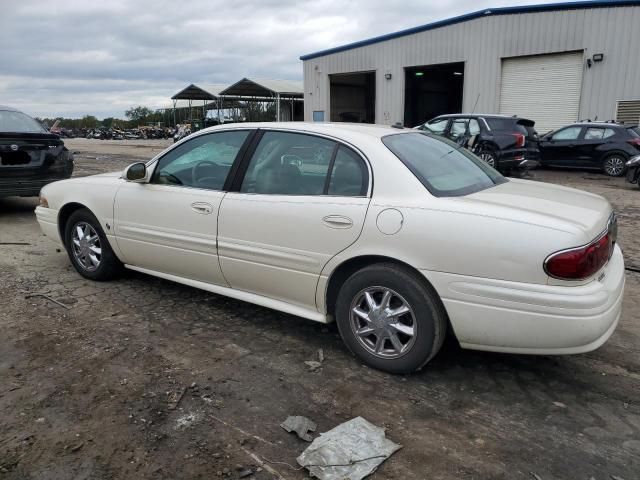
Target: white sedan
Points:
(398, 235)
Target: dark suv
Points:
(30, 156)
(505, 143)
(602, 146)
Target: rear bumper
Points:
(29, 185)
(511, 317)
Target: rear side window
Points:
(348, 175)
(634, 131)
(287, 163)
(444, 168)
(501, 123)
(598, 133)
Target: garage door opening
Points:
(353, 97)
(432, 90)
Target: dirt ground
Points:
(142, 378)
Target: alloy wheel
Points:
(488, 158)
(86, 246)
(383, 322)
(614, 166)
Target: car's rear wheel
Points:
(88, 247)
(488, 156)
(390, 318)
(614, 164)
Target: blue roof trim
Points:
(479, 14)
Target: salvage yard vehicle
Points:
(633, 170)
(30, 156)
(604, 146)
(508, 144)
(398, 235)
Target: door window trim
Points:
(243, 165)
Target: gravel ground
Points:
(143, 378)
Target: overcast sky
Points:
(78, 57)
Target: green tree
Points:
(138, 114)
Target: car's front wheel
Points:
(614, 165)
(390, 318)
(88, 247)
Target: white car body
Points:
(483, 253)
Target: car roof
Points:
(483, 115)
(599, 124)
(337, 129)
(8, 109)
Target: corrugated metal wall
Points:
(481, 44)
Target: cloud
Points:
(76, 57)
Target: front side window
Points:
(203, 162)
(571, 133)
(18, 122)
(437, 126)
(444, 168)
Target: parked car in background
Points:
(508, 144)
(395, 233)
(604, 146)
(633, 170)
(30, 156)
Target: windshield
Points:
(18, 122)
(443, 167)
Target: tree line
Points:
(134, 117)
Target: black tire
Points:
(109, 266)
(428, 317)
(614, 165)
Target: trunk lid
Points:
(551, 205)
(27, 150)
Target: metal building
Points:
(554, 63)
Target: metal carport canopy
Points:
(265, 88)
(199, 92)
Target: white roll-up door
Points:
(543, 88)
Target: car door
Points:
(560, 147)
(300, 200)
(169, 224)
(458, 131)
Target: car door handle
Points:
(202, 208)
(337, 221)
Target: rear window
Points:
(443, 167)
(18, 122)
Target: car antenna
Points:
(475, 104)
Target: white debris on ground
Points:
(350, 451)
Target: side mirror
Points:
(136, 172)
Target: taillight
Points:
(519, 139)
(582, 262)
(635, 142)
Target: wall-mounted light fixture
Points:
(598, 57)
(388, 76)
(589, 63)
